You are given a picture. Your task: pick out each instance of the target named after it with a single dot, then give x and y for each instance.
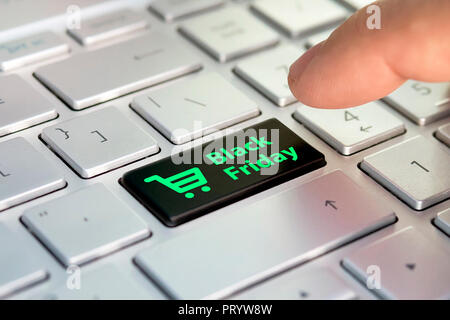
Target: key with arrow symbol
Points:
(366, 129)
(331, 203)
(4, 175)
(411, 266)
(303, 294)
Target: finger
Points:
(357, 65)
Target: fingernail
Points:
(298, 67)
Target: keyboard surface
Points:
(90, 122)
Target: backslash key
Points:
(178, 188)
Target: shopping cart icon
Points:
(183, 182)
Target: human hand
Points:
(357, 65)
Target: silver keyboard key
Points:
(320, 284)
(297, 17)
(21, 105)
(410, 266)
(25, 174)
(264, 238)
(416, 170)
(193, 108)
(268, 73)
(229, 33)
(317, 38)
(18, 266)
(31, 49)
(104, 283)
(108, 26)
(85, 225)
(171, 10)
(110, 72)
(422, 102)
(443, 134)
(98, 142)
(442, 221)
(351, 130)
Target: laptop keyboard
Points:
(93, 121)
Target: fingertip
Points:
(341, 72)
(356, 64)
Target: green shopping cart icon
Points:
(183, 182)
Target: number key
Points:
(351, 130)
(416, 170)
(422, 102)
(268, 73)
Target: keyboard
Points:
(116, 163)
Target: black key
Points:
(227, 169)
